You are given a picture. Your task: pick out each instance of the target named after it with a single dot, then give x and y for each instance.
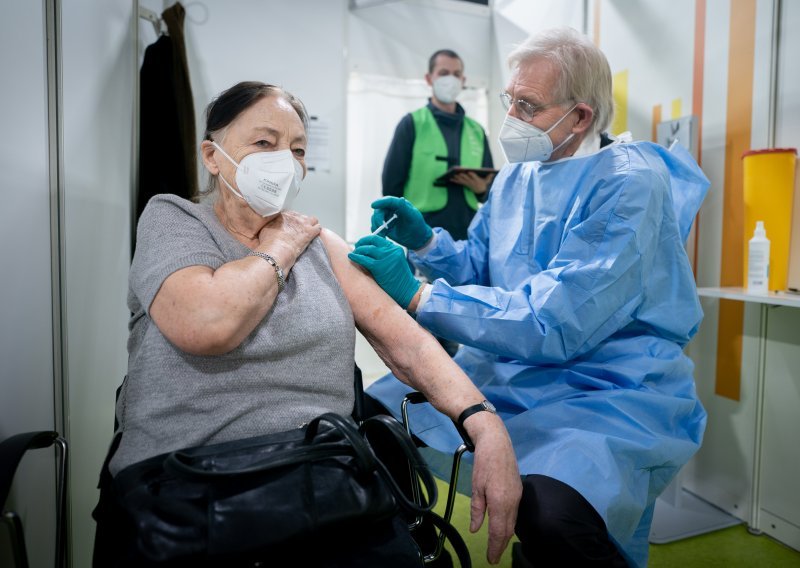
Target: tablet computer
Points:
(445, 178)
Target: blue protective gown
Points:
(573, 299)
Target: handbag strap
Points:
(451, 534)
(183, 463)
(365, 458)
(418, 466)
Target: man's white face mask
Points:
(524, 142)
(268, 181)
(446, 88)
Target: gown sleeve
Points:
(458, 262)
(590, 289)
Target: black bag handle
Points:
(183, 463)
(366, 459)
(418, 465)
(450, 532)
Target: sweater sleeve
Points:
(168, 238)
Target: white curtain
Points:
(375, 104)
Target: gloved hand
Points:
(409, 229)
(388, 265)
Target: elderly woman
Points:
(243, 312)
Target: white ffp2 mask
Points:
(523, 142)
(268, 181)
(446, 88)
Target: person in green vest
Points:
(430, 140)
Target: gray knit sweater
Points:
(297, 364)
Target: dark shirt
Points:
(456, 215)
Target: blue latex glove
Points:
(387, 263)
(409, 229)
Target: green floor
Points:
(728, 548)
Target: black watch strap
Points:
(483, 406)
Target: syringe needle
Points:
(385, 224)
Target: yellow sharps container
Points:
(768, 192)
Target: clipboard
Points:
(445, 178)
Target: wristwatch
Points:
(483, 406)
(275, 265)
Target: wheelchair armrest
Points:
(416, 397)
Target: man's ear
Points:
(585, 118)
(207, 153)
(429, 79)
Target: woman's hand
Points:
(496, 483)
(287, 235)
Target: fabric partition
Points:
(768, 194)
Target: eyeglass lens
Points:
(525, 109)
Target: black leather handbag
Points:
(247, 498)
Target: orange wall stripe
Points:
(698, 74)
(697, 103)
(741, 50)
(656, 120)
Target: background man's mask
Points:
(446, 88)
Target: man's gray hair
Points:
(585, 75)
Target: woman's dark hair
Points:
(232, 102)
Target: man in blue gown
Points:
(572, 298)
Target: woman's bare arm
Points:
(416, 358)
(210, 312)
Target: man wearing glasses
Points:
(572, 298)
(432, 139)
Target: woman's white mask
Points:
(268, 181)
(446, 88)
(523, 142)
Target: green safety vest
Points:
(425, 168)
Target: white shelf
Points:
(733, 293)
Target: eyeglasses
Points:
(525, 110)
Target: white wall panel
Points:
(654, 41)
(98, 56)
(787, 130)
(26, 339)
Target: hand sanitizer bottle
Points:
(758, 261)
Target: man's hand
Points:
(409, 229)
(387, 263)
(472, 181)
(496, 483)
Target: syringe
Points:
(385, 224)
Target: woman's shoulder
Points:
(167, 207)
(172, 202)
